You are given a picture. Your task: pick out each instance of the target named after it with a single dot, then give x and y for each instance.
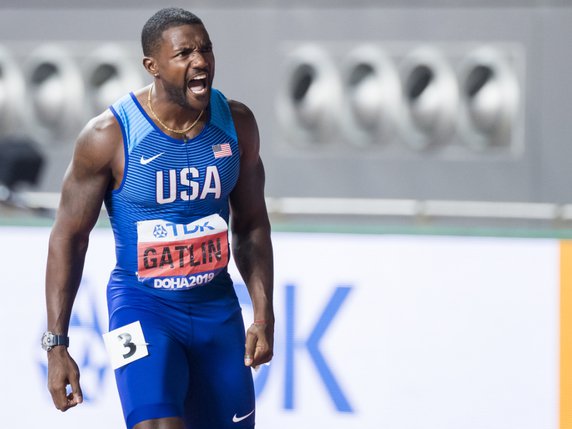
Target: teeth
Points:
(200, 76)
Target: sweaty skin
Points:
(97, 166)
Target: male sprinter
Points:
(172, 162)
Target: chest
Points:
(162, 172)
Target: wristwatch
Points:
(51, 340)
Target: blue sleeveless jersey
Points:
(170, 214)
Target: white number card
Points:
(125, 344)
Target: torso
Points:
(169, 209)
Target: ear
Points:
(151, 66)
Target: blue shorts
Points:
(195, 367)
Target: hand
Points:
(259, 346)
(62, 370)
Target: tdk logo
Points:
(293, 345)
(86, 345)
(159, 231)
(176, 229)
(201, 228)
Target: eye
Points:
(184, 52)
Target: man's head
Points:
(161, 21)
(178, 54)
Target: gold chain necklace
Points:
(183, 131)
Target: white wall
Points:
(372, 332)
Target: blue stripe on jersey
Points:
(135, 127)
(174, 182)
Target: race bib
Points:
(180, 256)
(125, 344)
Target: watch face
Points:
(47, 341)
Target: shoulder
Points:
(105, 122)
(102, 130)
(246, 127)
(100, 139)
(241, 112)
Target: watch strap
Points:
(60, 340)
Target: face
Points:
(185, 64)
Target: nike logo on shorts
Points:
(148, 160)
(236, 419)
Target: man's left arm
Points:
(251, 244)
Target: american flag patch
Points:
(222, 150)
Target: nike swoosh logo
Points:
(236, 419)
(148, 160)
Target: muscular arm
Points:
(87, 178)
(251, 243)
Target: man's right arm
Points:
(88, 177)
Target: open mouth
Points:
(198, 84)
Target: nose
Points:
(198, 60)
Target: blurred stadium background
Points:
(417, 157)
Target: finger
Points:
(76, 396)
(59, 397)
(262, 353)
(249, 348)
(60, 400)
(259, 351)
(71, 401)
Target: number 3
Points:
(126, 341)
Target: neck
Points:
(191, 117)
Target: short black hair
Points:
(161, 21)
